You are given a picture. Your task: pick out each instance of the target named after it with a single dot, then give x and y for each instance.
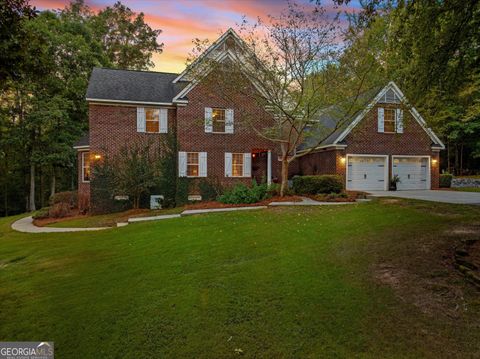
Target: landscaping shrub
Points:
(317, 184)
(42, 213)
(59, 210)
(209, 190)
(242, 194)
(69, 198)
(446, 180)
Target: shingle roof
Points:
(82, 141)
(329, 118)
(137, 86)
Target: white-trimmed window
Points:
(237, 164)
(86, 167)
(218, 120)
(152, 120)
(389, 120)
(193, 164)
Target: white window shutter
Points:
(381, 123)
(228, 164)
(140, 119)
(399, 120)
(247, 164)
(208, 119)
(202, 170)
(182, 164)
(163, 127)
(229, 120)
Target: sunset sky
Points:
(183, 20)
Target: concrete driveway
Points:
(434, 196)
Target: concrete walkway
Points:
(434, 196)
(213, 210)
(26, 225)
(307, 202)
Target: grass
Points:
(466, 189)
(365, 281)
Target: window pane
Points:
(86, 166)
(389, 120)
(237, 164)
(192, 158)
(218, 119)
(192, 170)
(152, 117)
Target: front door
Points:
(259, 165)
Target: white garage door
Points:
(413, 172)
(366, 173)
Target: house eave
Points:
(103, 100)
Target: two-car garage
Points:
(371, 172)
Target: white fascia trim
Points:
(79, 148)
(212, 47)
(334, 147)
(129, 102)
(413, 111)
(385, 175)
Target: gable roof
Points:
(147, 87)
(329, 120)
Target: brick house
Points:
(129, 108)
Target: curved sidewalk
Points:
(26, 225)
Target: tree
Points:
(13, 37)
(126, 39)
(135, 174)
(290, 66)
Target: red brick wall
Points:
(365, 139)
(326, 161)
(192, 136)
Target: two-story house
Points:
(139, 107)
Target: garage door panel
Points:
(366, 173)
(412, 171)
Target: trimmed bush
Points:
(317, 184)
(59, 210)
(242, 194)
(69, 198)
(446, 180)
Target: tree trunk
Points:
(284, 185)
(53, 183)
(42, 188)
(6, 198)
(31, 200)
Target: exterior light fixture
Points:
(342, 159)
(97, 157)
(434, 162)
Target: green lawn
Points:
(369, 280)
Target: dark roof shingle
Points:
(137, 86)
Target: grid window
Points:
(237, 164)
(86, 166)
(152, 119)
(192, 164)
(389, 120)
(218, 120)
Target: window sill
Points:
(388, 133)
(86, 182)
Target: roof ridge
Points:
(130, 70)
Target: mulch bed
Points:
(215, 204)
(352, 196)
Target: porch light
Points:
(434, 162)
(342, 159)
(97, 157)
